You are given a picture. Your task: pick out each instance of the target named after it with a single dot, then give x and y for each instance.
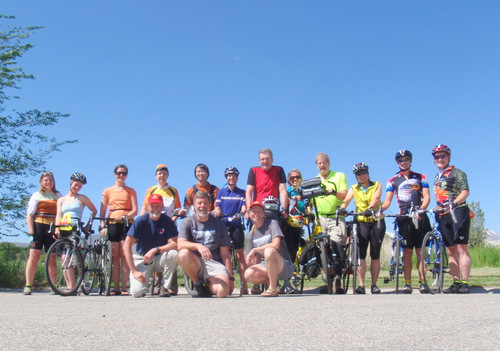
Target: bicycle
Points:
(434, 256)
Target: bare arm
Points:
(347, 199)
(249, 194)
(388, 199)
(427, 198)
(376, 197)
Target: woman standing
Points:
(70, 208)
(366, 196)
(42, 210)
(122, 203)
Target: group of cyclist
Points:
(201, 247)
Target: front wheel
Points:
(432, 264)
(106, 267)
(327, 277)
(354, 261)
(90, 269)
(397, 261)
(69, 267)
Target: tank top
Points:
(75, 209)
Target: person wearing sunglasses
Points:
(366, 194)
(451, 190)
(120, 201)
(411, 189)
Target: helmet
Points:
(295, 221)
(79, 178)
(441, 148)
(231, 170)
(402, 153)
(359, 167)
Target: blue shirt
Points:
(150, 233)
(230, 202)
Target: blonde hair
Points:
(295, 170)
(322, 155)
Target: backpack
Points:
(310, 260)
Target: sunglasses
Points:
(403, 160)
(121, 173)
(439, 157)
(295, 177)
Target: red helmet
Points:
(441, 148)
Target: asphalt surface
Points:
(289, 322)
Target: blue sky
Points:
(183, 82)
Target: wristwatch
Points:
(231, 278)
(158, 249)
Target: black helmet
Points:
(231, 170)
(359, 167)
(79, 178)
(441, 148)
(402, 153)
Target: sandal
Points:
(270, 292)
(115, 292)
(125, 293)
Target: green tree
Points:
(24, 150)
(477, 233)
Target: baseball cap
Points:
(155, 199)
(161, 167)
(257, 203)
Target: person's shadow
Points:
(475, 289)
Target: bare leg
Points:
(464, 261)
(375, 270)
(419, 266)
(190, 264)
(33, 259)
(240, 256)
(116, 265)
(274, 266)
(453, 261)
(219, 285)
(407, 254)
(125, 270)
(362, 272)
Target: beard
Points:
(202, 213)
(155, 215)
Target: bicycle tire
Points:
(234, 260)
(68, 256)
(327, 277)
(397, 262)
(90, 269)
(346, 273)
(432, 264)
(354, 264)
(106, 268)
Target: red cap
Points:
(256, 203)
(155, 199)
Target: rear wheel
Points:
(69, 263)
(327, 276)
(106, 267)
(90, 269)
(432, 264)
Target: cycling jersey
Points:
(327, 204)
(230, 202)
(170, 196)
(266, 183)
(43, 206)
(362, 199)
(209, 188)
(407, 191)
(448, 184)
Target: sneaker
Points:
(360, 290)
(407, 289)
(198, 289)
(463, 288)
(288, 288)
(163, 292)
(423, 289)
(256, 290)
(338, 288)
(375, 289)
(27, 290)
(453, 289)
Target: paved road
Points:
(296, 322)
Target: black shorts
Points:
(42, 238)
(368, 233)
(412, 236)
(237, 236)
(455, 233)
(117, 232)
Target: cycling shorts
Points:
(41, 238)
(455, 233)
(370, 234)
(237, 236)
(117, 232)
(413, 237)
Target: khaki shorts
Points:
(212, 268)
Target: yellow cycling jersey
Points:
(363, 197)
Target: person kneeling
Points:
(267, 258)
(156, 237)
(204, 250)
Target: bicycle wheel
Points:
(397, 261)
(69, 264)
(432, 265)
(234, 260)
(354, 263)
(106, 268)
(327, 277)
(90, 268)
